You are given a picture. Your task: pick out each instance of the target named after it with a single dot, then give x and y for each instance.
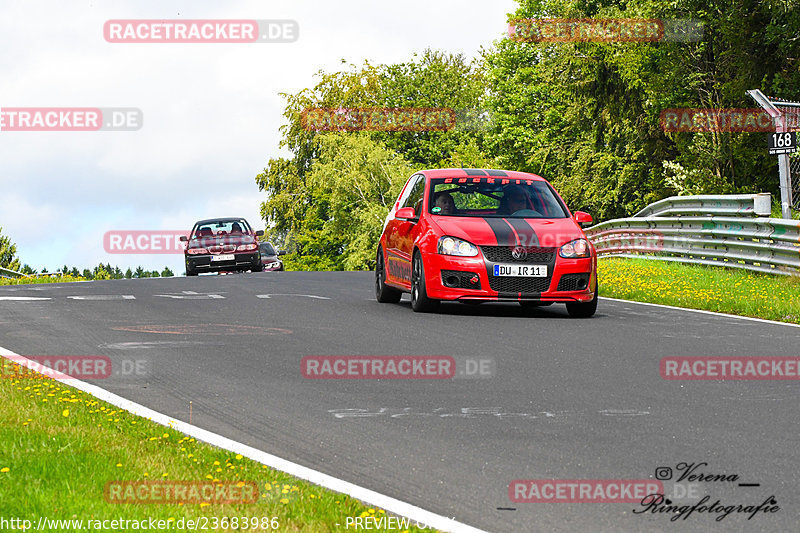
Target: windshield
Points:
(215, 228)
(267, 249)
(491, 197)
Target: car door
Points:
(399, 237)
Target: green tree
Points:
(8, 253)
(167, 273)
(328, 202)
(586, 115)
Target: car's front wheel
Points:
(419, 294)
(191, 272)
(584, 309)
(384, 293)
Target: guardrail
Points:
(769, 245)
(6, 273)
(723, 205)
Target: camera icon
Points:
(663, 473)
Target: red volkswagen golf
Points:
(474, 235)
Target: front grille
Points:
(502, 254)
(519, 284)
(463, 279)
(573, 282)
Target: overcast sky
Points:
(211, 111)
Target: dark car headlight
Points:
(453, 246)
(575, 249)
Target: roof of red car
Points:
(477, 172)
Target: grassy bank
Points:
(59, 447)
(698, 287)
(40, 279)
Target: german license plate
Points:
(529, 271)
(223, 257)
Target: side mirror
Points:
(584, 219)
(405, 213)
(184, 238)
(281, 252)
(260, 233)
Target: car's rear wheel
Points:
(419, 294)
(584, 309)
(384, 293)
(191, 272)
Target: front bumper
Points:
(453, 278)
(241, 261)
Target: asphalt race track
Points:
(570, 399)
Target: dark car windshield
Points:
(267, 249)
(490, 197)
(221, 227)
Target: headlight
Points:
(196, 251)
(575, 249)
(246, 247)
(453, 246)
(275, 264)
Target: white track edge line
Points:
(419, 515)
(726, 315)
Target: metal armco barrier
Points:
(723, 205)
(759, 244)
(6, 273)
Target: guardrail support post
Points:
(786, 187)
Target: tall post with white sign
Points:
(780, 149)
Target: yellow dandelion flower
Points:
(65, 413)
(284, 500)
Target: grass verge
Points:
(39, 279)
(59, 447)
(723, 290)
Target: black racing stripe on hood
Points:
(497, 173)
(525, 233)
(502, 231)
(474, 172)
